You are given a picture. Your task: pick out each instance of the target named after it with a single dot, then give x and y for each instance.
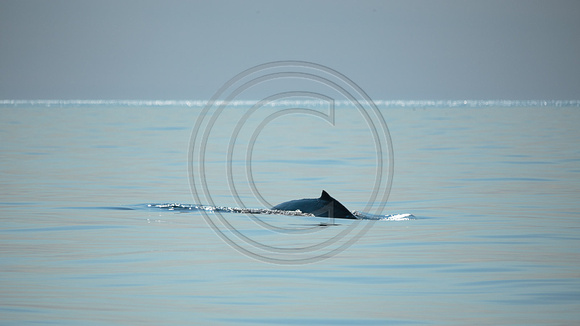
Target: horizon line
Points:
(286, 102)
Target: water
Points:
(493, 188)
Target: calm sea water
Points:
(494, 191)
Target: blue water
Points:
(493, 188)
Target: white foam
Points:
(398, 217)
(357, 214)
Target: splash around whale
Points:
(325, 206)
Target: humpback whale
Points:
(325, 206)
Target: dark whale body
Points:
(325, 206)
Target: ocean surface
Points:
(155, 212)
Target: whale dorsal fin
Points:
(325, 206)
(325, 196)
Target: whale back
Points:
(324, 206)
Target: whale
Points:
(324, 206)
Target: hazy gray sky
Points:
(187, 49)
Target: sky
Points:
(186, 50)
